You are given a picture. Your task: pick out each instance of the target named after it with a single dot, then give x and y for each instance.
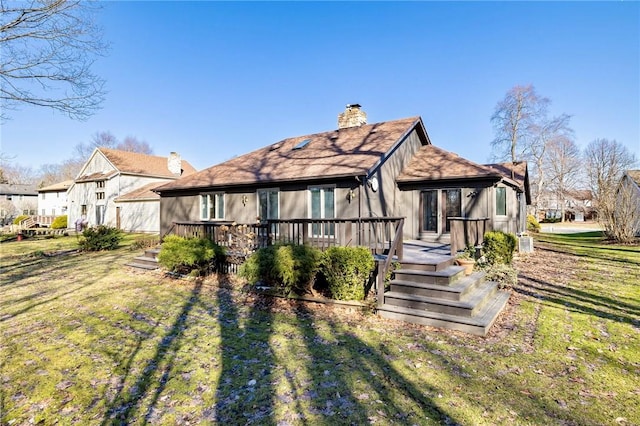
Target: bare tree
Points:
(564, 165)
(132, 144)
(54, 173)
(514, 122)
(544, 133)
(14, 173)
(48, 49)
(606, 162)
(627, 213)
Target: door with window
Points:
(451, 206)
(429, 200)
(323, 206)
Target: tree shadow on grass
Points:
(244, 393)
(579, 301)
(127, 406)
(336, 369)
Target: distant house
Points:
(576, 204)
(387, 169)
(17, 199)
(110, 188)
(52, 201)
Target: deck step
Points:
(454, 291)
(445, 276)
(478, 324)
(436, 264)
(142, 266)
(470, 305)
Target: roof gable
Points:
(127, 162)
(339, 153)
(634, 175)
(434, 163)
(142, 164)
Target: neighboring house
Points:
(104, 192)
(629, 197)
(15, 200)
(52, 201)
(577, 205)
(386, 169)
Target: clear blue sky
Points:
(213, 80)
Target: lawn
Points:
(86, 340)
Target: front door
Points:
(429, 217)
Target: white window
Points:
(322, 206)
(212, 206)
(268, 204)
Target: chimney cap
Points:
(354, 105)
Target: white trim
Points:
(209, 196)
(267, 190)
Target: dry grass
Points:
(86, 340)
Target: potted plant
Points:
(467, 259)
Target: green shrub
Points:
(498, 247)
(286, 267)
(505, 275)
(59, 222)
(347, 270)
(195, 256)
(19, 219)
(100, 237)
(532, 224)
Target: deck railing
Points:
(378, 234)
(466, 231)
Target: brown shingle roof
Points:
(141, 194)
(635, 175)
(338, 153)
(433, 163)
(143, 164)
(514, 171)
(60, 186)
(95, 176)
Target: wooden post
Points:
(380, 282)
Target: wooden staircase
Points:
(437, 293)
(148, 261)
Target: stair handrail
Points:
(383, 266)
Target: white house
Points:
(52, 201)
(107, 189)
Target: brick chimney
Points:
(353, 116)
(174, 163)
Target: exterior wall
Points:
(52, 203)
(388, 200)
(511, 221)
(139, 216)
(16, 204)
(241, 206)
(84, 193)
(477, 201)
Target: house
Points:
(52, 202)
(15, 200)
(628, 202)
(387, 169)
(111, 189)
